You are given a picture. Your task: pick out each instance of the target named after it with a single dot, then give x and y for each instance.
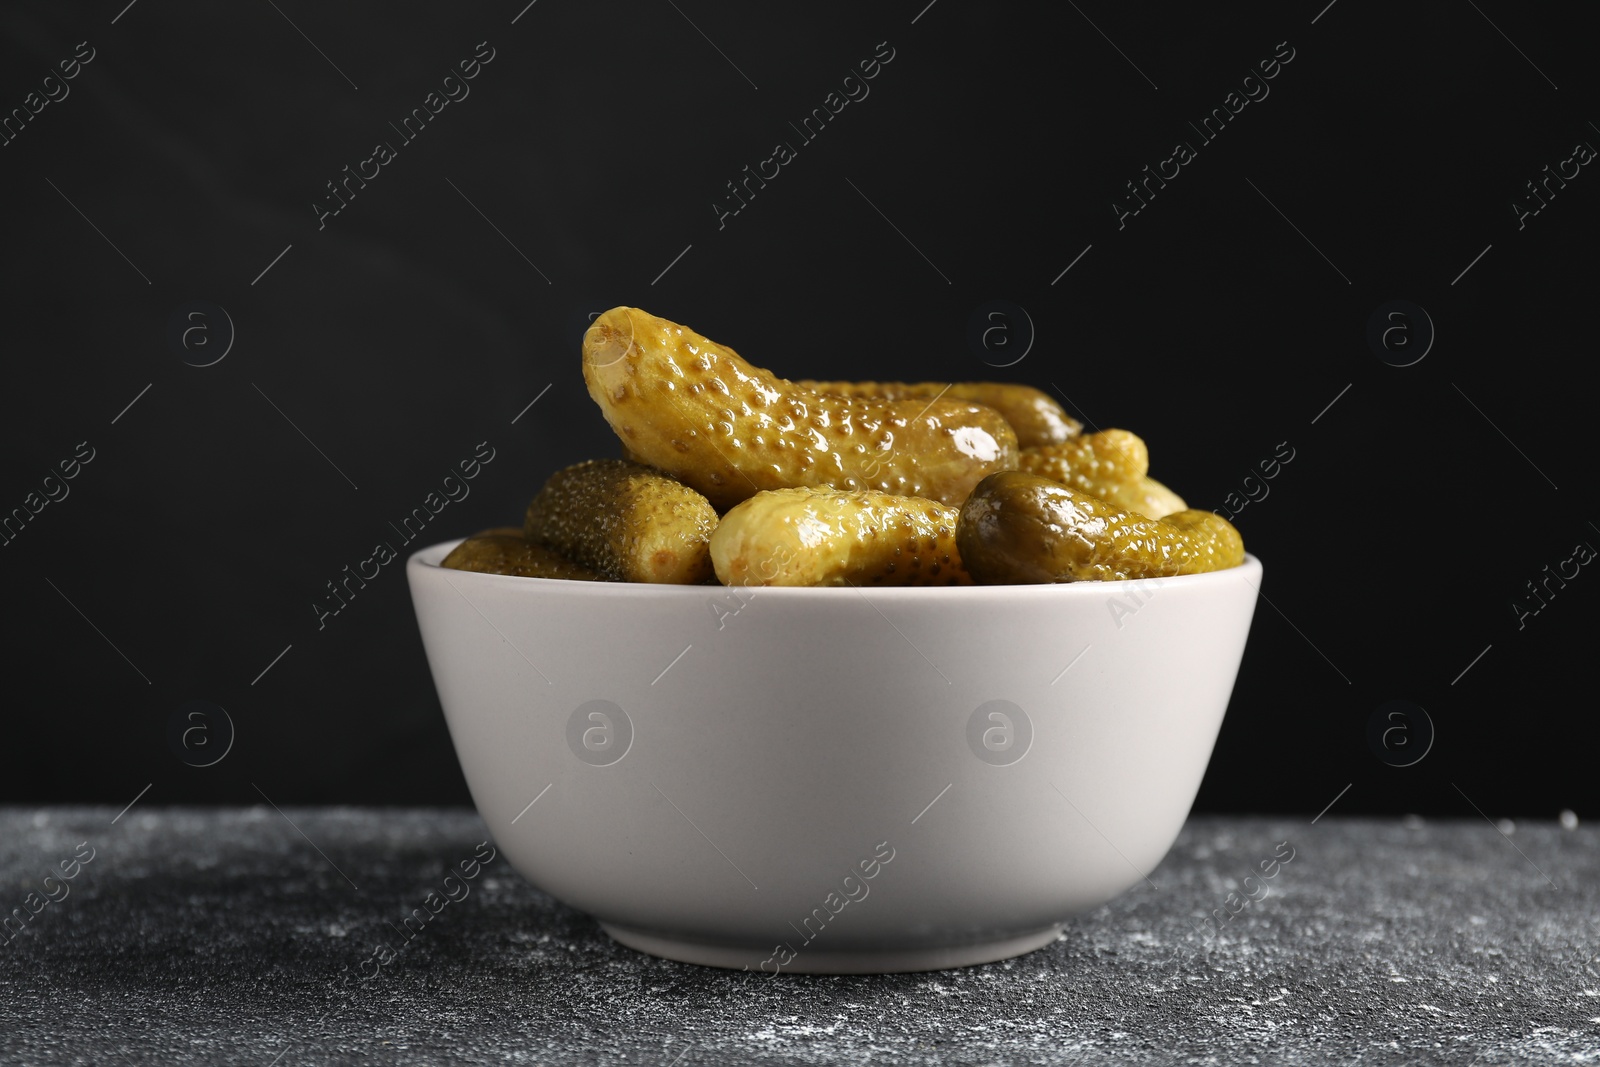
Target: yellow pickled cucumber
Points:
(698, 411)
(1032, 413)
(1023, 528)
(820, 536)
(504, 550)
(1149, 498)
(630, 522)
(1113, 465)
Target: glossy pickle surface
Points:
(1032, 413)
(698, 411)
(821, 536)
(1018, 527)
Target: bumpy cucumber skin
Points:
(1113, 465)
(1033, 413)
(629, 522)
(701, 413)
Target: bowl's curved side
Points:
(855, 772)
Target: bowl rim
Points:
(429, 557)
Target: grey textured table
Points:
(224, 937)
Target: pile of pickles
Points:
(736, 476)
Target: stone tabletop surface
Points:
(230, 936)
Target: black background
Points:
(985, 160)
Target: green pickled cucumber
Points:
(503, 550)
(1021, 528)
(1034, 414)
(629, 522)
(700, 412)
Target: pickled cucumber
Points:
(821, 536)
(698, 411)
(1149, 498)
(504, 550)
(1018, 528)
(1032, 413)
(629, 522)
(1113, 465)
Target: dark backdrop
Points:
(1226, 321)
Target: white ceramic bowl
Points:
(833, 780)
